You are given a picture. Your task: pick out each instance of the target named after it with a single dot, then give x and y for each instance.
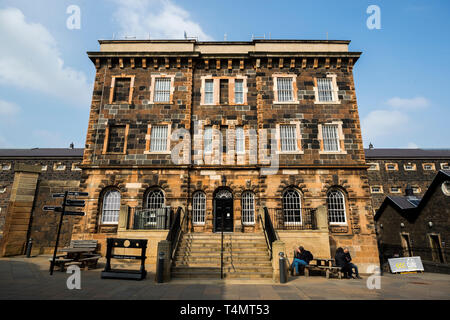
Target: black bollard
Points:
(160, 270)
(283, 278)
(29, 245)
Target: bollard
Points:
(160, 268)
(29, 245)
(283, 278)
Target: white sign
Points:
(406, 264)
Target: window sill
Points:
(327, 102)
(160, 102)
(113, 153)
(332, 152)
(335, 224)
(157, 152)
(290, 152)
(287, 102)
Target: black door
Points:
(224, 214)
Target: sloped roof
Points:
(41, 152)
(384, 153)
(410, 210)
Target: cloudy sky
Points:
(402, 78)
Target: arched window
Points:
(111, 207)
(153, 202)
(198, 207)
(336, 207)
(248, 208)
(292, 207)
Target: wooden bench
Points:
(321, 265)
(88, 260)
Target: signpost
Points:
(66, 203)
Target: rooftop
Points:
(407, 153)
(42, 153)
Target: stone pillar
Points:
(164, 246)
(322, 218)
(277, 247)
(20, 206)
(123, 218)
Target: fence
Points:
(152, 219)
(301, 219)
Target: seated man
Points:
(302, 258)
(348, 257)
(342, 262)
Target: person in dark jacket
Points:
(352, 265)
(342, 262)
(302, 258)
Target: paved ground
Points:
(22, 278)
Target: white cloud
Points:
(162, 19)
(379, 123)
(8, 108)
(411, 104)
(412, 145)
(30, 59)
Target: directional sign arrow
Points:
(78, 194)
(58, 195)
(52, 208)
(73, 213)
(74, 203)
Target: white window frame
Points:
(248, 208)
(240, 140)
(198, 208)
(376, 166)
(340, 138)
(293, 82)
(209, 94)
(44, 167)
(391, 163)
(335, 90)
(443, 165)
(6, 166)
(379, 187)
(154, 78)
(413, 166)
(398, 191)
(330, 135)
(57, 165)
(298, 138)
(289, 208)
(75, 167)
(340, 209)
(112, 207)
(151, 133)
(208, 136)
(433, 167)
(155, 199)
(236, 92)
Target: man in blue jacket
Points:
(302, 258)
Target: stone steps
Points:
(245, 256)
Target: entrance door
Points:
(436, 249)
(223, 211)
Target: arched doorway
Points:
(223, 210)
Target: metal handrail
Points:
(176, 231)
(269, 231)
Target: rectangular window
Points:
(288, 137)
(376, 189)
(445, 166)
(223, 91)
(116, 139)
(391, 166)
(122, 90)
(209, 91)
(158, 138)
(410, 167)
(207, 140)
(325, 89)
(240, 140)
(284, 89)
(239, 91)
(428, 166)
(330, 137)
(395, 190)
(162, 90)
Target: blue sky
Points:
(402, 78)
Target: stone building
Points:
(412, 226)
(391, 170)
(28, 177)
(224, 130)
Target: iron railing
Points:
(302, 219)
(269, 231)
(178, 227)
(152, 219)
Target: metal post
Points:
(221, 247)
(283, 277)
(160, 270)
(29, 245)
(52, 265)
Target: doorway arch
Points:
(223, 210)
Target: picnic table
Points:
(327, 265)
(80, 252)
